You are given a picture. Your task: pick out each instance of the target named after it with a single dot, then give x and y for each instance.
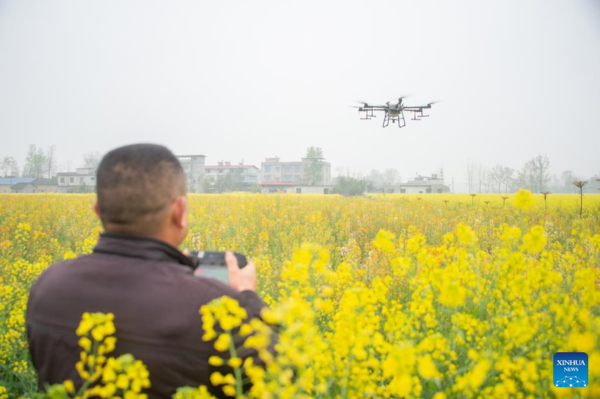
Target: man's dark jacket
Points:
(150, 287)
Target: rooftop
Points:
(42, 181)
(297, 184)
(190, 156)
(20, 185)
(76, 174)
(278, 183)
(9, 181)
(229, 166)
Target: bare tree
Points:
(9, 166)
(91, 160)
(50, 161)
(5, 165)
(508, 177)
(542, 172)
(341, 171)
(390, 177)
(566, 179)
(496, 175)
(471, 176)
(535, 174)
(481, 178)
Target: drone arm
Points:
(416, 108)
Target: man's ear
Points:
(96, 208)
(179, 212)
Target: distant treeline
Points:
(41, 163)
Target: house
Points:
(6, 183)
(23, 188)
(293, 188)
(45, 185)
(228, 177)
(193, 168)
(83, 180)
(300, 177)
(422, 185)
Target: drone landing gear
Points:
(417, 115)
(368, 115)
(398, 118)
(401, 120)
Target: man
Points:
(137, 273)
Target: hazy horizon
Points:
(247, 81)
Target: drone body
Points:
(393, 112)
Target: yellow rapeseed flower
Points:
(524, 199)
(534, 241)
(215, 361)
(222, 343)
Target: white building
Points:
(83, 180)
(295, 177)
(422, 185)
(193, 168)
(293, 188)
(242, 177)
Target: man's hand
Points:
(240, 279)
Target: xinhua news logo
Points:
(570, 370)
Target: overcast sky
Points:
(245, 80)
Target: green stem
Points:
(88, 381)
(237, 371)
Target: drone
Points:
(393, 112)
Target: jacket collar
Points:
(140, 247)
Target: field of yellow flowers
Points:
(437, 296)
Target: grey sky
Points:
(240, 80)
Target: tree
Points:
(9, 167)
(500, 176)
(50, 161)
(230, 181)
(541, 167)
(350, 186)
(482, 176)
(390, 177)
(496, 176)
(594, 184)
(312, 168)
(35, 162)
(535, 174)
(567, 178)
(471, 176)
(508, 177)
(91, 160)
(375, 180)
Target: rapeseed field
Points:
(435, 296)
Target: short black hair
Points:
(135, 186)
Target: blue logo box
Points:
(570, 370)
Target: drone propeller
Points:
(402, 97)
(434, 102)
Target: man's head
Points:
(141, 191)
